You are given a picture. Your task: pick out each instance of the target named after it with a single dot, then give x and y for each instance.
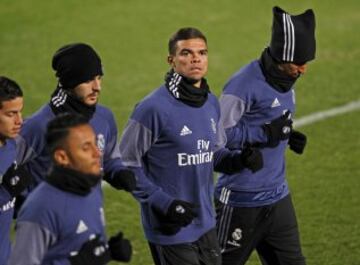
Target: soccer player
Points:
(254, 210)
(79, 71)
(13, 179)
(62, 220)
(173, 141)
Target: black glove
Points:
(297, 142)
(170, 228)
(16, 180)
(278, 129)
(252, 159)
(92, 252)
(20, 199)
(232, 163)
(181, 212)
(120, 248)
(122, 180)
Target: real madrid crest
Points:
(213, 125)
(237, 234)
(100, 142)
(235, 238)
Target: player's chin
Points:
(96, 170)
(197, 76)
(13, 134)
(91, 101)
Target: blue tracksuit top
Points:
(247, 103)
(32, 147)
(7, 158)
(171, 147)
(53, 223)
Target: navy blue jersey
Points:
(53, 223)
(171, 146)
(7, 158)
(33, 151)
(247, 103)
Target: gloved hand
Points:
(92, 252)
(169, 228)
(181, 212)
(20, 199)
(297, 142)
(120, 248)
(16, 180)
(252, 159)
(278, 129)
(122, 180)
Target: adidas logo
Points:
(275, 103)
(185, 131)
(81, 227)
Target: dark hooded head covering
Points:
(75, 64)
(293, 37)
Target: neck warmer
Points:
(183, 89)
(72, 181)
(273, 75)
(62, 101)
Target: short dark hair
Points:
(9, 90)
(59, 127)
(184, 34)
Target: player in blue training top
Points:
(62, 220)
(172, 141)
(13, 179)
(254, 210)
(79, 71)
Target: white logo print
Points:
(102, 216)
(213, 125)
(100, 142)
(185, 131)
(275, 103)
(81, 227)
(293, 96)
(236, 236)
(204, 155)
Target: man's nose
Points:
(302, 69)
(96, 84)
(19, 119)
(195, 58)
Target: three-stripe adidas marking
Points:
(289, 39)
(275, 103)
(82, 227)
(173, 84)
(60, 98)
(185, 131)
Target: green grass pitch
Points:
(131, 37)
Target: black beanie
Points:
(293, 37)
(75, 64)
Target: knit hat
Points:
(293, 37)
(75, 64)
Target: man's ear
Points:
(61, 158)
(170, 60)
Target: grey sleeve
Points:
(31, 244)
(24, 152)
(136, 140)
(237, 131)
(232, 109)
(221, 137)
